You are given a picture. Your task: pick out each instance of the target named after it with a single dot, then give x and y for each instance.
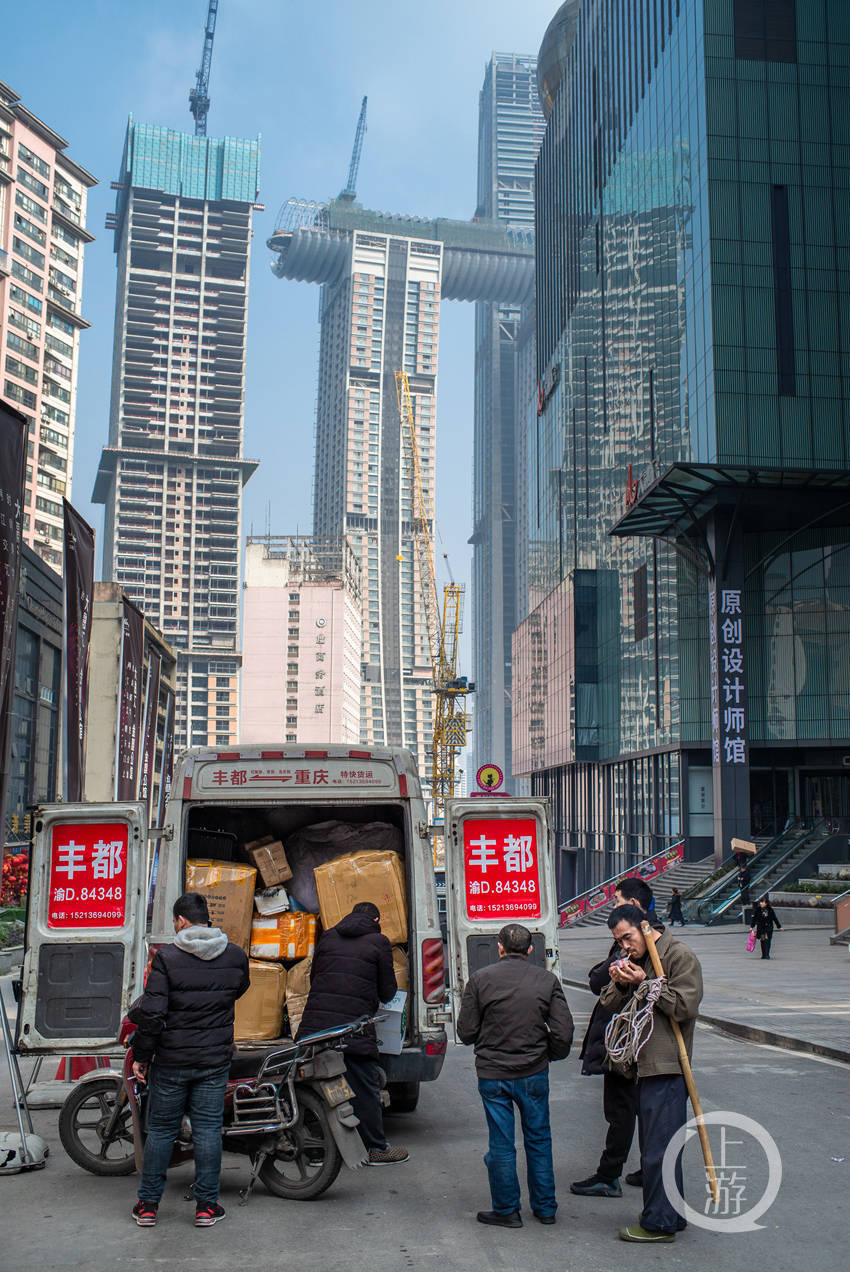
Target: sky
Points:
(295, 74)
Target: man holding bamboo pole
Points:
(662, 1092)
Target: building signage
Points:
(728, 681)
(79, 595)
(88, 876)
(596, 898)
(130, 703)
(296, 776)
(501, 868)
(13, 432)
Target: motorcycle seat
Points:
(247, 1060)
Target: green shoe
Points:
(636, 1233)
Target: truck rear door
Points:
(85, 947)
(499, 868)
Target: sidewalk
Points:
(801, 1001)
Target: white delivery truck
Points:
(102, 886)
(499, 869)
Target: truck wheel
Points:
(404, 1096)
(83, 1123)
(306, 1159)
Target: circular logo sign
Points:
(489, 777)
(733, 1211)
(320, 622)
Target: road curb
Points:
(751, 1033)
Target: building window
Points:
(641, 603)
(783, 299)
(766, 30)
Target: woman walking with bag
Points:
(764, 921)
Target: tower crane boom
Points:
(350, 191)
(199, 97)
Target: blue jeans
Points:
(531, 1096)
(173, 1092)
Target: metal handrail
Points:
(768, 867)
(629, 873)
(842, 896)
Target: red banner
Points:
(79, 590)
(88, 876)
(501, 868)
(596, 898)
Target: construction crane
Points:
(350, 191)
(199, 97)
(450, 689)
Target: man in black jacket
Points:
(517, 1016)
(182, 1049)
(619, 1093)
(352, 973)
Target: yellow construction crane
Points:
(450, 689)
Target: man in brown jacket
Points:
(662, 1095)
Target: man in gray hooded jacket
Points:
(182, 1050)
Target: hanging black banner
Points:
(13, 433)
(79, 591)
(131, 704)
(149, 730)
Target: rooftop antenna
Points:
(350, 191)
(199, 97)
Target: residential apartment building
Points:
(510, 130)
(172, 474)
(682, 671)
(302, 641)
(43, 237)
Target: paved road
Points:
(420, 1216)
(802, 993)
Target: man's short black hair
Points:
(636, 890)
(193, 907)
(630, 914)
(514, 938)
(367, 907)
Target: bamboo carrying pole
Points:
(687, 1072)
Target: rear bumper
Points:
(415, 1064)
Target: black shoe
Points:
(496, 1220)
(206, 1214)
(596, 1186)
(144, 1213)
(544, 1218)
(635, 1179)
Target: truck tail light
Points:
(435, 1048)
(433, 970)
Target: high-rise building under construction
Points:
(172, 473)
(510, 129)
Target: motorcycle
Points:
(288, 1108)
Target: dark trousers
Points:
(364, 1077)
(173, 1092)
(619, 1105)
(765, 945)
(662, 1111)
(531, 1097)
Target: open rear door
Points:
(499, 868)
(84, 959)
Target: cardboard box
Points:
(283, 936)
(259, 1012)
(268, 856)
(297, 992)
(402, 976)
(229, 892)
(391, 1031)
(364, 876)
(272, 901)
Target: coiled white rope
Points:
(630, 1030)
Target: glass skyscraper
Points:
(510, 130)
(682, 670)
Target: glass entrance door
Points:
(827, 795)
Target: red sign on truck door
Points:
(88, 876)
(501, 868)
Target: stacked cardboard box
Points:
(364, 876)
(259, 1012)
(229, 892)
(297, 991)
(270, 859)
(291, 935)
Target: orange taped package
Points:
(288, 935)
(297, 992)
(270, 859)
(229, 893)
(259, 1012)
(364, 876)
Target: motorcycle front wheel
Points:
(84, 1128)
(306, 1160)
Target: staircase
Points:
(685, 876)
(782, 860)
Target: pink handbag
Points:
(751, 941)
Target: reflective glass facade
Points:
(693, 244)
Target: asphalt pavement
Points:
(421, 1215)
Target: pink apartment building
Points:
(42, 241)
(301, 641)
